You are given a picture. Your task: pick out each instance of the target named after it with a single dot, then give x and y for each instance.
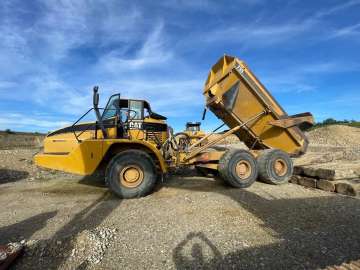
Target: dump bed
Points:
(236, 96)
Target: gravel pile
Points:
(90, 246)
(335, 136)
(332, 143)
(232, 139)
(86, 249)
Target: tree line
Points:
(332, 121)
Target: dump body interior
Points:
(235, 95)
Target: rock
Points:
(330, 171)
(345, 189)
(325, 185)
(295, 179)
(298, 170)
(314, 172)
(307, 182)
(3, 256)
(89, 246)
(319, 173)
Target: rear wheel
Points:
(131, 174)
(238, 168)
(275, 166)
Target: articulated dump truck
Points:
(137, 147)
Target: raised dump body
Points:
(235, 95)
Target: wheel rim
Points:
(280, 167)
(243, 169)
(131, 176)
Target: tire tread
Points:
(148, 185)
(263, 161)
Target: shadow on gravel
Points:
(7, 175)
(312, 232)
(24, 229)
(198, 242)
(87, 219)
(95, 180)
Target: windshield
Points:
(112, 107)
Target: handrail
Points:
(73, 125)
(77, 121)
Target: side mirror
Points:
(96, 96)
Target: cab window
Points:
(136, 110)
(111, 108)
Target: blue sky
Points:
(53, 51)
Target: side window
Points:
(146, 112)
(136, 110)
(111, 107)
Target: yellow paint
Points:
(87, 155)
(83, 160)
(194, 135)
(247, 104)
(65, 153)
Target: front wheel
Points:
(131, 174)
(238, 168)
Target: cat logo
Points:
(135, 125)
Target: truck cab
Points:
(134, 119)
(128, 119)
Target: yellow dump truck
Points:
(137, 147)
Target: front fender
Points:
(124, 144)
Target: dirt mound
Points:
(231, 139)
(18, 164)
(336, 143)
(335, 135)
(20, 140)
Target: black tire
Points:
(267, 171)
(228, 164)
(130, 159)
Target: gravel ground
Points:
(70, 222)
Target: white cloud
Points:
(345, 104)
(303, 77)
(348, 31)
(139, 53)
(335, 66)
(209, 6)
(152, 52)
(68, 24)
(260, 33)
(16, 121)
(170, 97)
(35, 54)
(335, 9)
